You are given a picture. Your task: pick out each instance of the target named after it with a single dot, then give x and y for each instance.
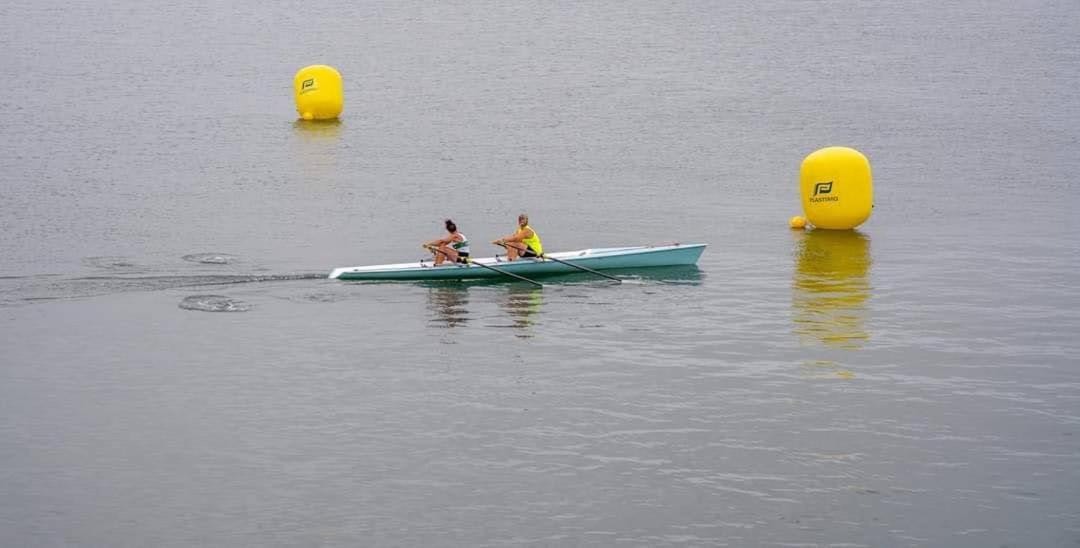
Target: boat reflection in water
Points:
(448, 304)
(688, 274)
(831, 286)
(448, 301)
(522, 303)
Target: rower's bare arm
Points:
(516, 237)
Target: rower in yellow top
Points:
(525, 242)
(454, 247)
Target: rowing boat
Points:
(606, 258)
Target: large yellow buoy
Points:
(319, 92)
(837, 189)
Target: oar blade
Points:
(582, 268)
(505, 273)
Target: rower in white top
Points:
(453, 248)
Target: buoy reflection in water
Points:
(316, 149)
(830, 287)
(318, 131)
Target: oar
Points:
(577, 266)
(499, 270)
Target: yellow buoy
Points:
(837, 189)
(797, 222)
(319, 92)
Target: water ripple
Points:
(214, 303)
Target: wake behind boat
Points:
(596, 259)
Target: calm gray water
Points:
(176, 371)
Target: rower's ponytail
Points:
(450, 226)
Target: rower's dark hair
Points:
(450, 226)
